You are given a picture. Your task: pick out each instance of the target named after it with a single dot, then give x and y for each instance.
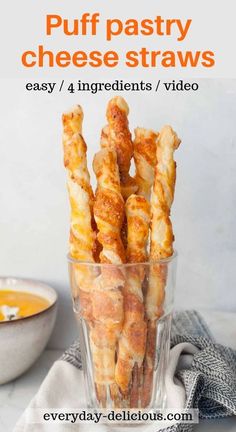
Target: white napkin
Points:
(63, 387)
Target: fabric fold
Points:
(201, 374)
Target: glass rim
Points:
(122, 265)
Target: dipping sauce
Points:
(25, 304)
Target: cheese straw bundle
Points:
(122, 227)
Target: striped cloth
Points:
(210, 382)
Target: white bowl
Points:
(24, 339)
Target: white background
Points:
(34, 217)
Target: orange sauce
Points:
(28, 304)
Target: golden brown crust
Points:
(133, 339)
(75, 161)
(107, 298)
(161, 244)
(119, 134)
(85, 303)
(163, 195)
(136, 389)
(72, 121)
(145, 143)
(82, 236)
(107, 306)
(104, 139)
(147, 385)
(138, 216)
(128, 186)
(109, 207)
(79, 188)
(116, 135)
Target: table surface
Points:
(14, 397)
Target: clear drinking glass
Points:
(124, 317)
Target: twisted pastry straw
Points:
(82, 237)
(116, 135)
(145, 159)
(133, 339)
(161, 244)
(104, 140)
(107, 298)
(72, 121)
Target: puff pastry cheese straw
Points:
(116, 135)
(133, 339)
(161, 243)
(82, 237)
(163, 195)
(72, 121)
(104, 140)
(107, 297)
(145, 159)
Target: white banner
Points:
(87, 39)
(161, 418)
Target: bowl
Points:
(24, 339)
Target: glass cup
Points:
(124, 317)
